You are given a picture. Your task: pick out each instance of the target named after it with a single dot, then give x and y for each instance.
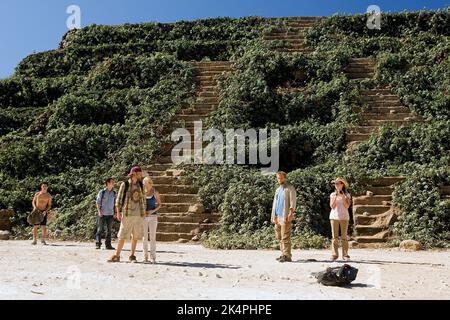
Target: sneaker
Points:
(132, 259)
(34, 242)
(114, 258)
(43, 243)
(285, 259)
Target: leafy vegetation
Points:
(100, 103)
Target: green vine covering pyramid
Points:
(369, 105)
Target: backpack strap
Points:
(102, 196)
(125, 190)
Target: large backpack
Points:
(338, 276)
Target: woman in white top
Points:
(340, 201)
(152, 203)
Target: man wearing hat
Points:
(340, 201)
(130, 209)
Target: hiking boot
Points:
(132, 259)
(285, 259)
(114, 258)
(34, 242)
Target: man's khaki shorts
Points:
(131, 227)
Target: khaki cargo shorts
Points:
(131, 227)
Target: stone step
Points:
(394, 100)
(363, 129)
(189, 217)
(369, 92)
(210, 79)
(370, 209)
(179, 198)
(176, 189)
(155, 173)
(197, 112)
(368, 230)
(374, 200)
(165, 160)
(206, 87)
(386, 122)
(208, 73)
(379, 237)
(168, 180)
(294, 38)
(445, 190)
(385, 116)
(186, 227)
(167, 207)
(172, 236)
(385, 181)
(357, 137)
(385, 108)
(207, 94)
(190, 117)
(213, 67)
(208, 100)
(283, 32)
(156, 167)
(381, 190)
(363, 60)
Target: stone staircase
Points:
(294, 36)
(384, 107)
(181, 215)
(373, 212)
(360, 68)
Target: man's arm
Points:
(49, 203)
(293, 203)
(119, 201)
(98, 203)
(273, 217)
(33, 203)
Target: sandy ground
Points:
(70, 270)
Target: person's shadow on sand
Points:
(189, 265)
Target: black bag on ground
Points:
(338, 276)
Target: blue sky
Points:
(28, 26)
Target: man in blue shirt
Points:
(105, 202)
(283, 210)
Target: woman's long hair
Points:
(145, 181)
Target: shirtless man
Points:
(42, 201)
